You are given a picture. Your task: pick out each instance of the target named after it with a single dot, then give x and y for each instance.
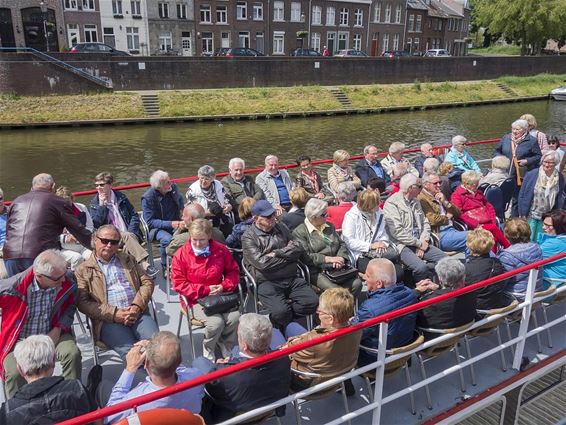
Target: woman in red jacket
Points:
(475, 210)
(205, 267)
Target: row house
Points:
(82, 21)
(171, 27)
(125, 25)
(387, 26)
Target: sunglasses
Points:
(323, 215)
(105, 241)
(54, 279)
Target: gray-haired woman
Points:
(324, 248)
(499, 171)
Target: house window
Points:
(182, 11)
(90, 33)
(278, 11)
(133, 38)
(278, 42)
(295, 11)
(259, 42)
(315, 41)
(241, 10)
(398, 14)
(207, 43)
(165, 42)
(258, 12)
(385, 46)
(344, 16)
(70, 4)
(221, 15)
(377, 12)
(163, 10)
(411, 24)
(395, 41)
(358, 18)
(244, 39)
(117, 7)
(416, 44)
(387, 13)
(136, 8)
(418, 26)
(357, 42)
(205, 14)
(409, 44)
(88, 4)
(316, 15)
(73, 34)
(109, 36)
(342, 40)
(330, 16)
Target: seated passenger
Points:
(114, 291)
(234, 239)
(521, 252)
(209, 193)
(45, 398)
(427, 152)
(325, 250)
(553, 242)
(310, 180)
(409, 229)
(396, 152)
(399, 170)
(460, 157)
(453, 312)
(161, 359)
(276, 185)
(110, 206)
(296, 216)
(39, 301)
(499, 171)
(191, 212)
(431, 166)
(251, 388)
(481, 266)
(451, 178)
(345, 194)
(384, 295)
(162, 207)
(3, 218)
(203, 267)
(341, 171)
(331, 358)
(475, 210)
(238, 185)
(439, 212)
(369, 167)
(272, 259)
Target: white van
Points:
(437, 52)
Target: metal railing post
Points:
(524, 326)
(380, 373)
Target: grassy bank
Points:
(504, 50)
(14, 109)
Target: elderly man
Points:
(35, 222)
(190, 213)
(439, 212)
(51, 398)
(426, 153)
(162, 205)
(409, 228)
(251, 388)
(385, 295)
(369, 167)
(114, 291)
(276, 185)
(3, 217)
(272, 258)
(39, 301)
(238, 185)
(396, 151)
(161, 357)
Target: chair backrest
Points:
(489, 327)
(447, 345)
(396, 365)
(507, 189)
(494, 196)
(163, 416)
(482, 187)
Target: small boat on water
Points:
(559, 93)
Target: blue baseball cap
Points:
(262, 208)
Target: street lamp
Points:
(43, 7)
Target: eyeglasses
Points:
(418, 186)
(54, 279)
(544, 224)
(324, 215)
(549, 162)
(438, 183)
(322, 312)
(105, 241)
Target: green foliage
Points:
(416, 86)
(499, 50)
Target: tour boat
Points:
(559, 93)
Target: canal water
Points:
(75, 155)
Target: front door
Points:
(331, 36)
(186, 45)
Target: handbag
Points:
(342, 275)
(220, 303)
(479, 214)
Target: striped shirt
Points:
(40, 306)
(119, 292)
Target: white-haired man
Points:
(369, 167)
(238, 185)
(276, 185)
(427, 151)
(396, 152)
(409, 228)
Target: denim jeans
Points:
(164, 237)
(452, 239)
(121, 338)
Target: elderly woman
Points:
(522, 252)
(341, 171)
(299, 198)
(460, 157)
(324, 248)
(396, 152)
(364, 232)
(209, 192)
(499, 171)
(246, 220)
(538, 135)
(482, 266)
(542, 191)
(475, 210)
(204, 267)
(345, 195)
(309, 179)
(453, 312)
(553, 242)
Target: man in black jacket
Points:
(272, 257)
(46, 398)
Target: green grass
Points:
(537, 85)
(499, 50)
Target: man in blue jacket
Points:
(384, 295)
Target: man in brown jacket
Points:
(115, 291)
(439, 212)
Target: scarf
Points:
(312, 178)
(519, 139)
(345, 173)
(549, 185)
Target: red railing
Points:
(134, 403)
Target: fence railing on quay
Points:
(379, 365)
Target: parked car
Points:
(97, 48)
(304, 52)
(221, 51)
(395, 53)
(241, 51)
(348, 53)
(437, 53)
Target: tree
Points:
(528, 22)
